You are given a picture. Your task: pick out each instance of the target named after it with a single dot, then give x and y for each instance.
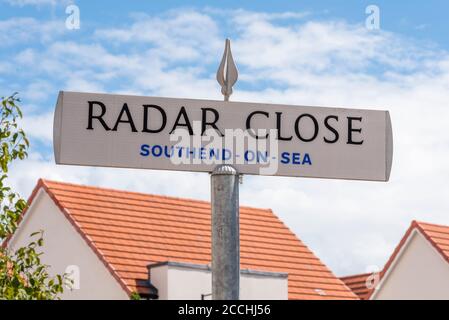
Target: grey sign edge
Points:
(57, 127)
(388, 146)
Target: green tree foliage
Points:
(22, 275)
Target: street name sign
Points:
(126, 131)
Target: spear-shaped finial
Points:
(227, 73)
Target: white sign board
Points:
(196, 135)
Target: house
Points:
(117, 243)
(418, 269)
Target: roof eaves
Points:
(414, 226)
(33, 195)
(390, 261)
(41, 184)
(430, 239)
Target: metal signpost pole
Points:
(225, 207)
(225, 233)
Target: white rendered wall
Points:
(63, 247)
(420, 273)
(177, 282)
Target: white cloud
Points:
(39, 127)
(37, 90)
(22, 3)
(26, 57)
(5, 68)
(179, 35)
(26, 30)
(350, 225)
(249, 16)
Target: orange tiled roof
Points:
(357, 283)
(437, 235)
(129, 230)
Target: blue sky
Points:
(294, 52)
(422, 20)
